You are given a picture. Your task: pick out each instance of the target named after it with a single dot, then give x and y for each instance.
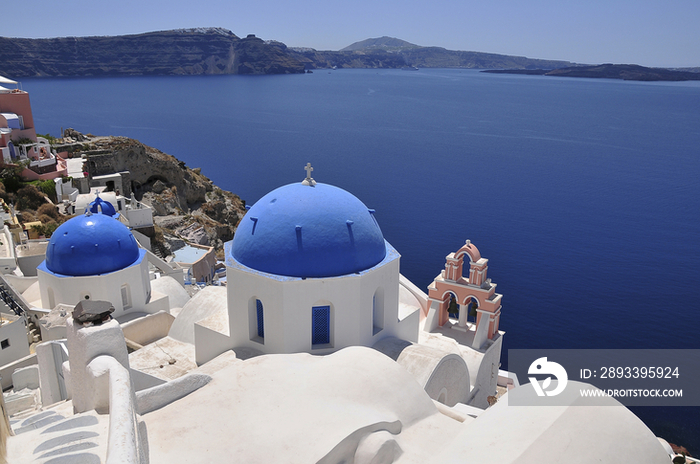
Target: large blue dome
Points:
(91, 244)
(303, 231)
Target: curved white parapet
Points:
(156, 397)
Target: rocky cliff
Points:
(185, 202)
(220, 51)
(176, 52)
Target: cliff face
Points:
(178, 52)
(435, 57)
(314, 59)
(220, 51)
(182, 198)
(146, 165)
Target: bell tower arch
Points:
(465, 277)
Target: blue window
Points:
(261, 321)
(321, 325)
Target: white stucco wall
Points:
(485, 378)
(147, 329)
(287, 304)
(84, 345)
(140, 217)
(106, 287)
(7, 252)
(13, 335)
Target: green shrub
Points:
(49, 188)
(10, 177)
(50, 138)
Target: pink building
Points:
(18, 140)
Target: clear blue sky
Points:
(646, 32)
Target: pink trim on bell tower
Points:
(466, 290)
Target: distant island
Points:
(219, 51)
(204, 51)
(628, 72)
(390, 52)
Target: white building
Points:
(309, 270)
(135, 214)
(94, 256)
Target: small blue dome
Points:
(98, 205)
(91, 245)
(303, 231)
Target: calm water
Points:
(583, 194)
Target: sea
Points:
(583, 194)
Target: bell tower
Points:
(474, 291)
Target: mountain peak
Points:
(380, 43)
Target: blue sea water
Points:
(584, 194)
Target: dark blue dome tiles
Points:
(303, 231)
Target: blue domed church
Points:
(309, 271)
(95, 256)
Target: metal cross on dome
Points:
(309, 180)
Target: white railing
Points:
(48, 161)
(49, 158)
(113, 393)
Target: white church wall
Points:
(107, 287)
(242, 289)
(140, 217)
(287, 308)
(346, 300)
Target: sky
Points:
(663, 33)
